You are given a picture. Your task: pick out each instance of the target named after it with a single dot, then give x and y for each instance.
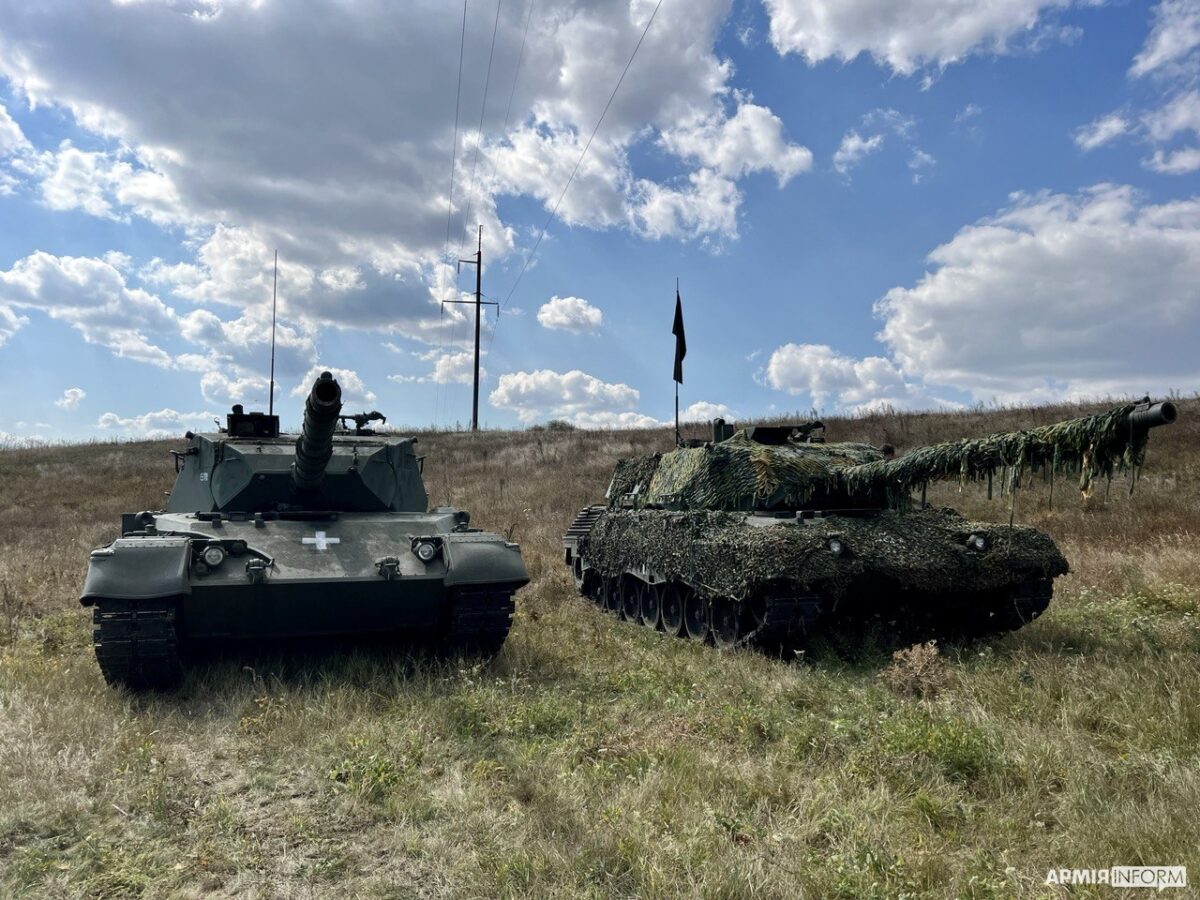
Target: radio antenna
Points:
(274, 294)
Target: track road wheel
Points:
(672, 609)
(695, 616)
(726, 623)
(630, 599)
(136, 643)
(611, 591)
(651, 604)
(588, 583)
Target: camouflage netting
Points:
(632, 476)
(737, 473)
(1093, 447)
(723, 555)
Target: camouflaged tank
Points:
(267, 535)
(765, 535)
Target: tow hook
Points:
(389, 567)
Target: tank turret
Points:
(764, 533)
(314, 446)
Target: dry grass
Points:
(591, 758)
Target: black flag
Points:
(680, 340)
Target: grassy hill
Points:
(592, 758)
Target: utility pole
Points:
(479, 302)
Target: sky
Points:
(920, 204)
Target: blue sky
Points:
(918, 204)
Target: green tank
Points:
(267, 535)
(766, 535)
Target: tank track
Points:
(1024, 603)
(136, 643)
(784, 620)
(480, 620)
(780, 622)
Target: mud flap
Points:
(138, 568)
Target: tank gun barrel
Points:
(314, 446)
(1094, 446)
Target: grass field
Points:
(592, 758)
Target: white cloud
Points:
(12, 139)
(918, 162)
(93, 297)
(1177, 162)
(707, 204)
(904, 36)
(354, 392)
(70, 398)
(163, 423)
(968, 112)
(704, 411)
(854, 149)
(569, 314)
(10, 324)
(1060, 295)
(1180, 114)
(1176, 33)
(613, 421)
(224, 391)
(828, 377)
(1170, 55)
(751, 141)
(77, 179)
(357, 205)
(448, 368)
(235, 361)
(1101, 131)
(546, 393)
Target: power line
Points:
(579, 162)
(462, 43)
(512, 92)
(487, 81)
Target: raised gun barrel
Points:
(314, 446)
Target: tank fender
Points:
(483, 559)
(137, 568)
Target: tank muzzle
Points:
(314, 446)
(1153, 415)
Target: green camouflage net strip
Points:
(1092, 446)
(740, 474)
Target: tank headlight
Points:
(213, 555)
(836, 547)
(977, 542)
(426, 551)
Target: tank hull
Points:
(191, 578)
(772, 579)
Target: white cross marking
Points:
(321, 541)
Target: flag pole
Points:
(678, 439)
